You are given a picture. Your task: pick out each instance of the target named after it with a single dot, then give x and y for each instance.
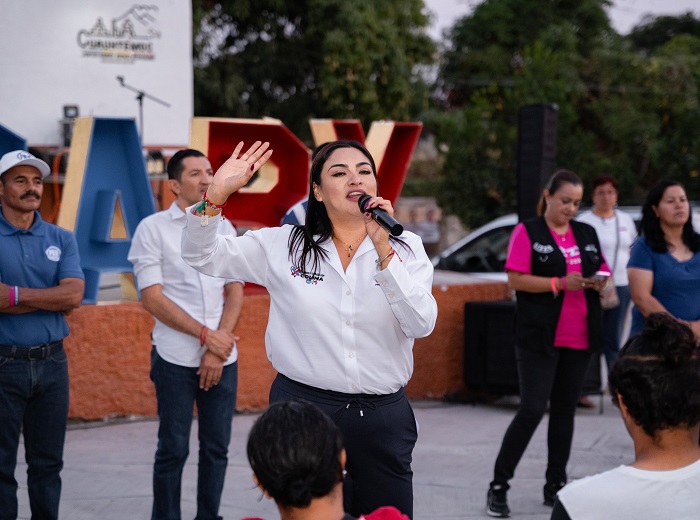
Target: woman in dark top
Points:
(551, 263)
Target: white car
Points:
(483, 252)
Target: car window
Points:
(485, 254)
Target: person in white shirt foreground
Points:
(346, 303)
(656, 384)
(194, 355)
(297, 456)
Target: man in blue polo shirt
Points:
(40, 281)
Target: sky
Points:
(624, 14)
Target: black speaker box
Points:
(489, 351)
(537, 148)
(489, 348)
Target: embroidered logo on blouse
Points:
(53, 253)
(311, 278)
(542, 248)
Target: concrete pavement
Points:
(107, 473)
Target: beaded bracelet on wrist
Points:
(201, 206)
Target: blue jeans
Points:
(177, 390)
(34, 399)
(543, 377)
(613, 323)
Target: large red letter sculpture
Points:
(283, 181)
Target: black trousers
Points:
(379, 432)
(544, 377)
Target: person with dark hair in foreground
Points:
(347, 301)
(297, 456)
(656, 384)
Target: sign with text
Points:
(71, 52)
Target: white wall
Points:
(43, 67)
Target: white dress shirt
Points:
(605, 229)
(350, 331)
(155, 253)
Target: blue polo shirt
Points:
(39, 258)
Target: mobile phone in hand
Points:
(599, 276)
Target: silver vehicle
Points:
(483, 252)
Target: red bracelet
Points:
(203, 335)
(211, 204)
(553, 284)
(200, 206)
(12, 296)
(382, 260)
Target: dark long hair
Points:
(650, 228)
(294, 450)
(304, 248)
(657, 374)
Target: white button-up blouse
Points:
(349, 331)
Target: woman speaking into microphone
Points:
(347, 301)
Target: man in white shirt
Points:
(194, 353)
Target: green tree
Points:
(653, 32)
(311, 58)
(623, 110)
(494, 64)
(674, 70)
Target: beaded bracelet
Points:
(389, 255)
(199, 208)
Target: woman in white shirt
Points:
(616, 231)
(347, 301)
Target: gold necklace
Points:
(349, 247)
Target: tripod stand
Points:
(140, 94)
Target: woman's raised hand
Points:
(237, 171)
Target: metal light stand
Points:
(140, 94)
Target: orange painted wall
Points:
(109, 354)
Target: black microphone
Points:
(120, 79)
(381, 216)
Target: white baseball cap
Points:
(19, 157)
